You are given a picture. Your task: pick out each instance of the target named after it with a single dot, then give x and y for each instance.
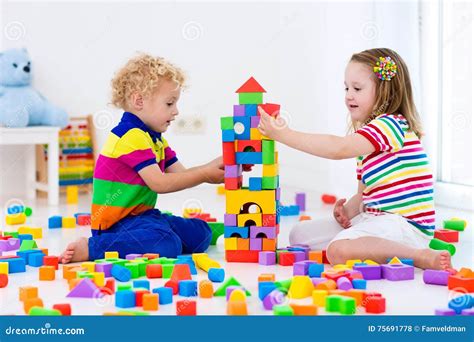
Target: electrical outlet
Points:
(190, 124)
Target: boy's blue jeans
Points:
(151, 232)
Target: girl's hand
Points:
(274, 128)
(340, 214)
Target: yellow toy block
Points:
(245, 220)
(3, 267)
(99, 278)
(36, 232)
(243, 244)
(237, 199)
(238, 295)
(19, 218)
(394, 261)
(270, 170)
(301, 287)
(230, 244)
(255, 134)
(111, 255)
(89, 266)
(27, 292)
(69, 222)
(191, 212)
(204, 262)
(370, 262)
(266, 277)
(341, 267)
(221, 190)
(72, 194)
(351, 263)
(319, 297)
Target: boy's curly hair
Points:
(143, 74)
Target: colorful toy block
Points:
(15, 219)
(460, 303)
(83, 220)
(186, 308)
(267, 258)
(50, 260)
(55, 222)
(3, 267)
(15, 264)
(455, 224)
(435, 277)
(150, 302)
(154, 271)
(369, 272)
(125, 299)
(375, 304)
(36, 259)
(72, 194)
(276, 297)
(121, 273)
(286, 259)
(47, 273)
(188, 288)
(3, 280)
(447, 235)
(459, 283)
(205, 289)
(216, 275)
(165, 295)
(221, 291)
(32, 302)
(85, 288)
(64, 309)
(301, 287)
(437, 244)
(237, 308)
(68, 222)
(344, 284)
(27, 292)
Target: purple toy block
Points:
(229, 290)
(300, 200)
(239, 110)
(445, 312)
(12, 244)
(467, 312)
(369, 272)
(232, 171)
(299, 255)
(270, 232)
(344, 284)
(267, 258)
(277, 194)
(317, 280)
(85, 289)
(255, 244)
(302, 267)
(435, 277)
(132, 256)
(105, 267)
(230, 220)
(275, 297)
(397, 272)
(254, 121)
(304, 248)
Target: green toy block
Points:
(333, 303)
(38, 311)
(133, 267)
(283, 285)
(28, 245)
(347, 306)
(124, 287)
(441, 245)
(84, 274)
(167, 270)
(283, 310)
(458, 225)
(135, 313)
(12, 234)
(250, 98)
(115, 261)
(268, 152)
(141, 267)
(28, 211)
(269, 183)
(220, 292)
(227, 122)
(217, 229)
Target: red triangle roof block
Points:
(251, 86)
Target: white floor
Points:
(403, 298)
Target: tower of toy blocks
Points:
(251, 219)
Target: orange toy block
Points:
(268, 244)
(150, 302)
(73, 282)
(304, 310)
(357, 294)
(327, 285)
(304, 218)
(3, 280)
(70, 271)
(65, 308)
(316, 256)
(47, 273)
(29, 303)
(460, 284)
(154, 271)
(237, 308)
(151, 256)
(266, 277)
(243, 244)
(27, 292)
(206, 289)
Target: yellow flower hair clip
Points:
(385, 68)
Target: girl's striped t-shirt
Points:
(397, 175)
(118, 189)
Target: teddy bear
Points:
(20, 104)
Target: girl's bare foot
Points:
(76, 251)
(433, 259)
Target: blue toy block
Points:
(35, 259)
(255, 183)
(241, 232)
(55, 222)
(187, 288)
(216, 275)
(264, 288)
(165, 294)
(289, 210)
(25, 254)
(228, 135)
(360, 284)
(250, 110)
(15, 209)
(15, 265)
(460, 303)
(242, 127)
(141, 284)
(25, 237)
(315, 270)
(125, 299)
(248, 157)
(121, 273)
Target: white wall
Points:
(298, 52)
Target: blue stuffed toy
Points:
(20, 104)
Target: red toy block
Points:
(271, 109)
(173, 284)
(375, 305)
(65, 309)
(268, 220)
(447, 235)
(154, 271)
(83, 220)
(181, 272)
(325, 259)
(460, 284)
(51, 260)
(186, 308)
(367, 295)
(3, 280)
(328, 199)
(335, 276)
(228, 153)
(243, 146)
(233, 183)
(151, 256)
(251, 86)
(286, 259)
(139, 297)
(110, 284)
(241, 256)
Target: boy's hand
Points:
(214, 171)
(272, 127)
(340, 214)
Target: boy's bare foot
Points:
(76, 251)
(433, 259)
